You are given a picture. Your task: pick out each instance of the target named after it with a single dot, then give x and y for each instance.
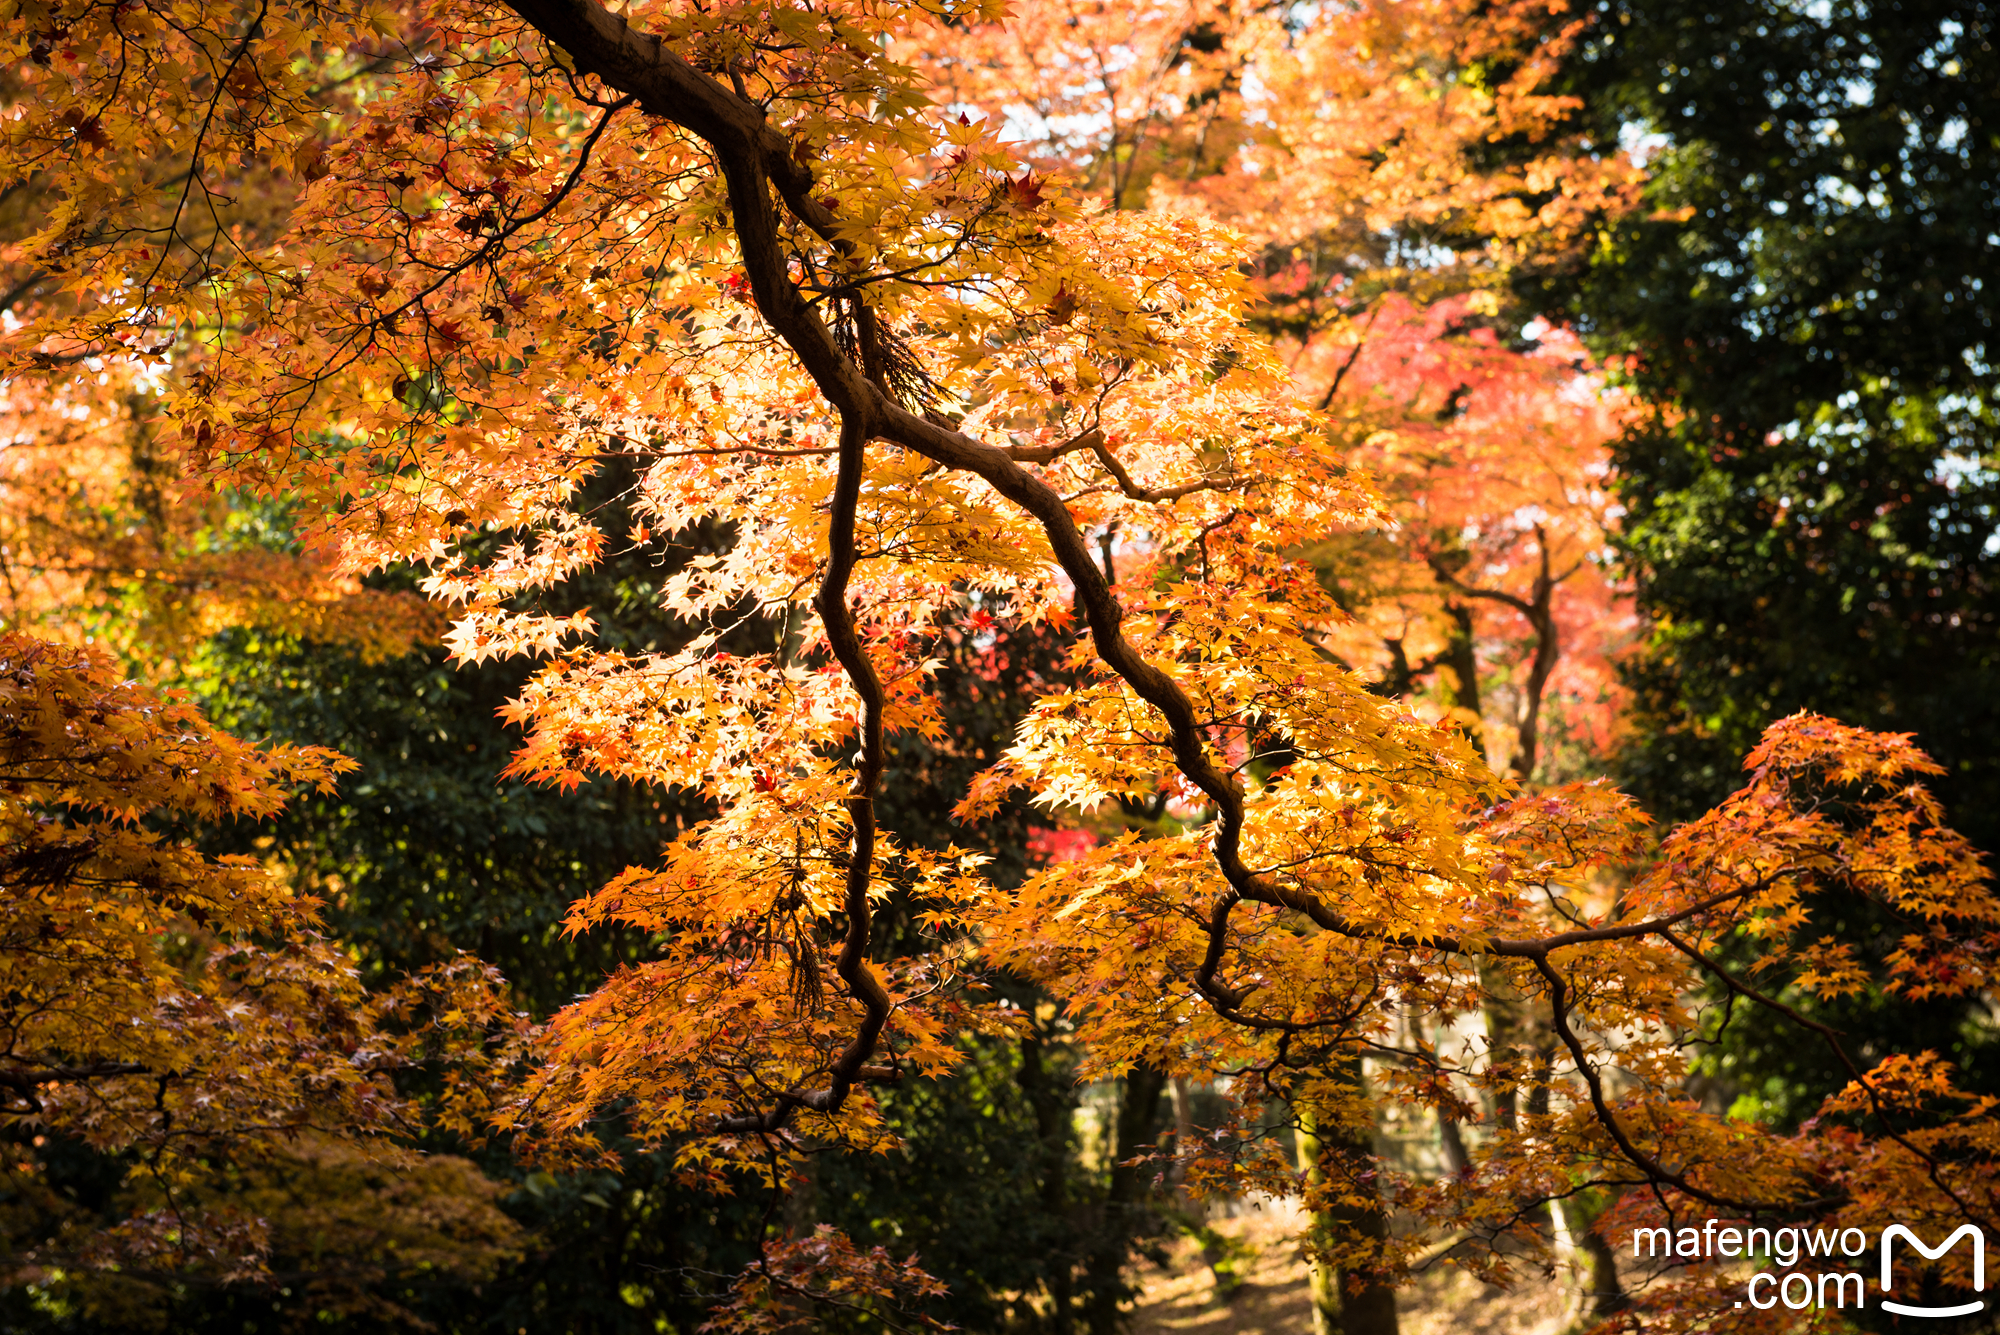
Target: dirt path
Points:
(1180, 1299)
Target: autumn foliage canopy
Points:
(916, 315)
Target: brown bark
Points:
(1603, 1294)
(1344, 1302)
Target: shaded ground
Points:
(1180, 1299)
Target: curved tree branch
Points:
(862, 984)
(755, 160)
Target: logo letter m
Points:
(1894, 1231)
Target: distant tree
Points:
(1808, 299)
(104, 538)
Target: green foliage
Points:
(987, 1188)
(1777, 1076)
(1820, 221)
(1810, 294)
(424, 852)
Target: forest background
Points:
(1661, 335)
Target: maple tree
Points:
(1495, 463)
(1383, 221)
(1348, 136)
(1492, 589)
(180, 1010)
(904, 378)
(421, 852)
(1352, 146)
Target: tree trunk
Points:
(1342, 1303)
(1138, 1114)
(1604, 1296)
(1052, 1112)
(1463, 661)
(1508, 1041)
(1184, 1136)
(1527, 730)
(1452, 1142)
(1607, 1295)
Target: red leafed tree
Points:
(1498, 575)
(1331, 139)
(1336, 143)
(894, 369)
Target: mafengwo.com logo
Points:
(1804, 1286)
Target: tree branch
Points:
(853, 967)
(754, 159)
